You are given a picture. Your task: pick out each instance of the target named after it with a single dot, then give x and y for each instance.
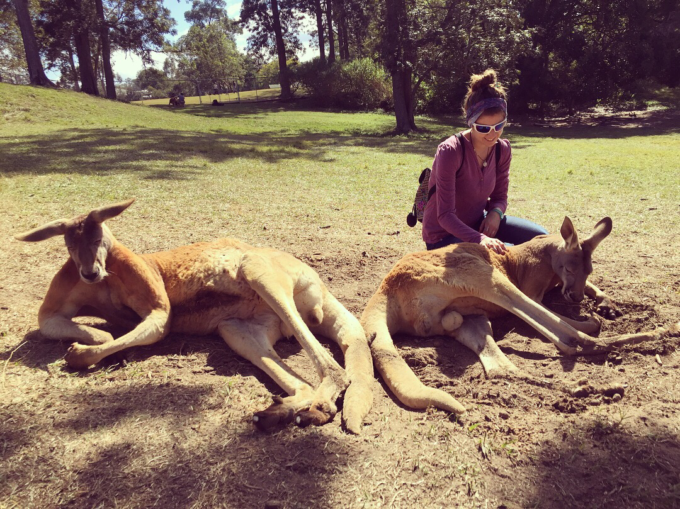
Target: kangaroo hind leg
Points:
(278, 283)
(342, 327)
(476, 334)
(253, 340)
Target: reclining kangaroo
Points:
(455, 290)
(250, 296)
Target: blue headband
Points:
(475, 111)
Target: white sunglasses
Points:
(485, 129)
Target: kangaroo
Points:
(454, 290)
(250, 296)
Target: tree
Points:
(36, 72)
(314, 8)
(399, 55)
(137, 26)
(329, 28)
(273, 24)
(13, 68)
(82, 21)
(204, 12)
(207, 53)
(106, 49)
(153, 80)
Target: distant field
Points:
(170, 425)
(250, 95)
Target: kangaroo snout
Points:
(572, 296)
(90, 277)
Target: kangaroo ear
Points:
(602, 229)
(44, 232)
(569, 234)
(108, 211)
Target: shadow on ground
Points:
(171, 458)
(97, 151)
(599, 463)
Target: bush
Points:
(357, 84)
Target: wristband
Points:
(500, 212)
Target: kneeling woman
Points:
(472, 174)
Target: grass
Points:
(255, 166)
(267, 94)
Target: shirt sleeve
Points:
(445, 165)
(499, 196)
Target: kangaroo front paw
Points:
(80, 356)
(608, 309)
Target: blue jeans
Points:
(512, 230)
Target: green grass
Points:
(263, 171)
(250, 95)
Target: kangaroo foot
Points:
(279, 414)
(317, 415)
(80, 356)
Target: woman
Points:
(471, 177)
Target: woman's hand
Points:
(494, 245)
(490, 224)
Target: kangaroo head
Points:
(87, 238)
(572, 261)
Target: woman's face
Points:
(488, 139)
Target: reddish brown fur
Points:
(250, 296)
(455, 290)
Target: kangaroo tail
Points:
(395, 372)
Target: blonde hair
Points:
(483, 86)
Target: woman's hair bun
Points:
(480, 81)
(483, 86)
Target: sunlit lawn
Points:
(257, 171)
(265, 94)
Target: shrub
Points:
(357, 84)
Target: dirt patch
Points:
(170, 425)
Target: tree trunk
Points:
(74, 71)
(343, 40)
(329, 25)
(403, 104)
(106, 50)
(88, 81)
(338, 25)
(319, 27)
(281, 50)
(395, 47)
(36, 72)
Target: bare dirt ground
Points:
(169, 425)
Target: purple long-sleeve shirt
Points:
(462, 195)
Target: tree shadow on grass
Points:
(100, 151)
(585, 126)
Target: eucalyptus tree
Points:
(36, 71)
(315, 8)
(207, 53)
(136, 26)
(13, 65)
(274, 25)
(585, 51)
(435, 45)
